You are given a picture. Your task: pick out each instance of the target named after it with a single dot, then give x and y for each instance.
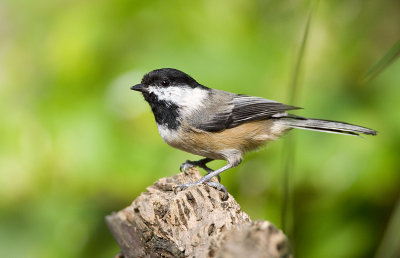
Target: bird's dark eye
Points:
(165, 83)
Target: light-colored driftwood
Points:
(194, 222)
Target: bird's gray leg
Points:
(206, 179)
(199, 163)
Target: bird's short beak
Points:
(138, 87)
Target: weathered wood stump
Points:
(194, 222)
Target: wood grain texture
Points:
(192, 223)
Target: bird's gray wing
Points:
(241, 109)
(248, 108)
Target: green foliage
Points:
(289, 152)
(77, 144)
(386, 60)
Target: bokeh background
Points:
(77, 144)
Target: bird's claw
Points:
(182, 187)
(185, 166)
(190, 164)
(215, 185)
(221, 188)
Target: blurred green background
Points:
(77, 144)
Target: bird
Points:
(220, 125)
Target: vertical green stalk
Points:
(390, 245)
(289, 145)
(382, 64)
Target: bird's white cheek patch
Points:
(182, 96)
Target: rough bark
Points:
(194, 222)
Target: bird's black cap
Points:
(170, 75)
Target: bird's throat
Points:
(165, 113)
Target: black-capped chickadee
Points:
(221, 125)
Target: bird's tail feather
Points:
(324, 125)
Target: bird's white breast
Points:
(170, 136)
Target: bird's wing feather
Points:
(248, 108)
(242, 109)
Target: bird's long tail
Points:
(324, 125)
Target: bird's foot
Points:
(215, 185)
(219, 187)
(188, 164)
(199, 163)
